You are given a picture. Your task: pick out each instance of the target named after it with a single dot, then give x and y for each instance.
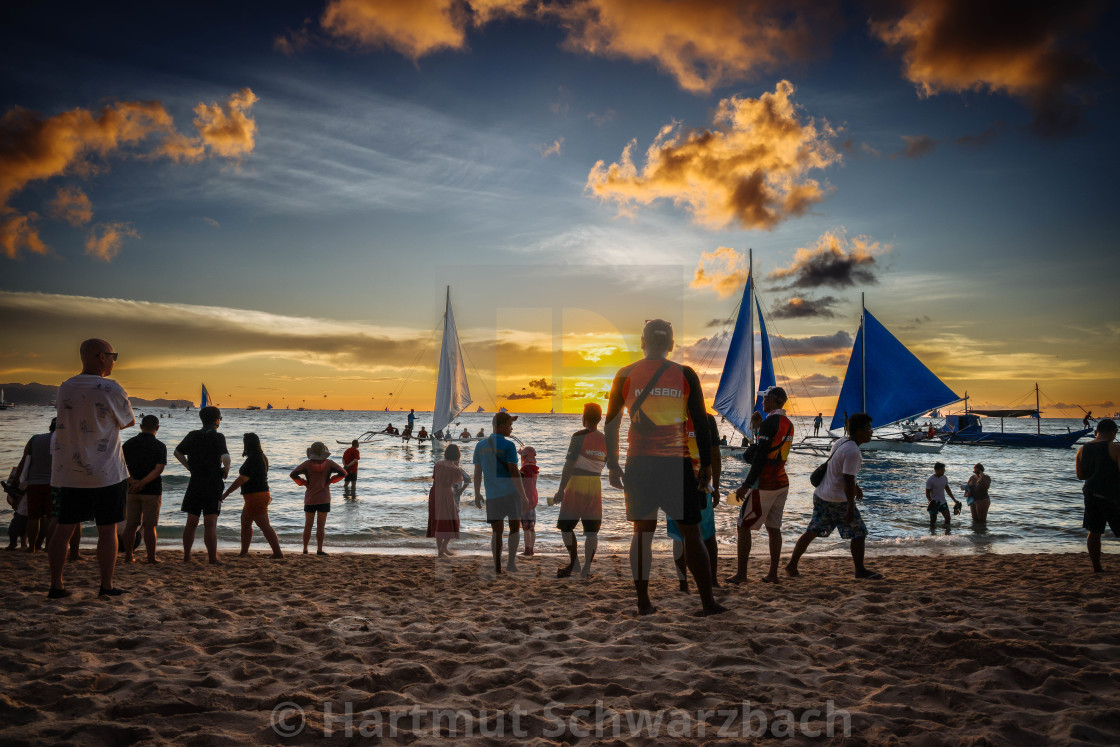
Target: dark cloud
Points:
(916, 146)
(526, 395)
(1030, 50)
(841, 341)
(800, 308)
(836, 261)
(542, 384)
(982, 140)
(837, 359)
(713, 323)
(814, 385)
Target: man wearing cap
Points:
(87, 465)
(763, 492)
(204, 454)
(495, 459)
(661, 397)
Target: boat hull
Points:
(1020, 440)
(820, 444)
(904, 447)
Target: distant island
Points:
(42, 395)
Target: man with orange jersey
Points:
(661, 396)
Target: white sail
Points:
(452, 393)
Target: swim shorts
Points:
(829, 515)
(666, 483)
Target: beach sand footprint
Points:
(350, 625)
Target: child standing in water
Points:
(317, 474)
(529, 472)
(937, 485)
(443, 501)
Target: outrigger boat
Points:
(895, 387)
(966, 429)
(453, 395)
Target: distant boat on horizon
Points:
(4, 403)
(269, 406)
(480, 409)
(205, 398)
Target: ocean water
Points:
(1036, 497)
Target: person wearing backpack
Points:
(834, 500)
(661, 396)
(763, 492)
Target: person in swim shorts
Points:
(580, 494)
(834, 500)
(660, 397)
(316, 475)
(764, 491)
(707, 515)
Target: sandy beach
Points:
(990, 649)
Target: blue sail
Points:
(205, 398)
(899, 386)
(733, 397)
(766, 377)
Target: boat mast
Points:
(862, 355)
(750, 310)
(1037, 412)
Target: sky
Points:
(273, 198)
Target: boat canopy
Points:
(1006, 413)
(898, 386)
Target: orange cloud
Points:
(36, 148)
(835, 261)
(18, 232)
(70, 204)
(412, 27)
(703, 43)
(723, 271)
(105, 239)
(227, 128)
(33, 148)
(960, 45)
(556, 149)
(751, 167)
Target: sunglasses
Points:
(111, 355)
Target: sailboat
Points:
(737, 396)
(480, 409)
(269, 406)
(205, 398)
(896, 386)
(452, 392)
(4, 403)
(967, 429)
